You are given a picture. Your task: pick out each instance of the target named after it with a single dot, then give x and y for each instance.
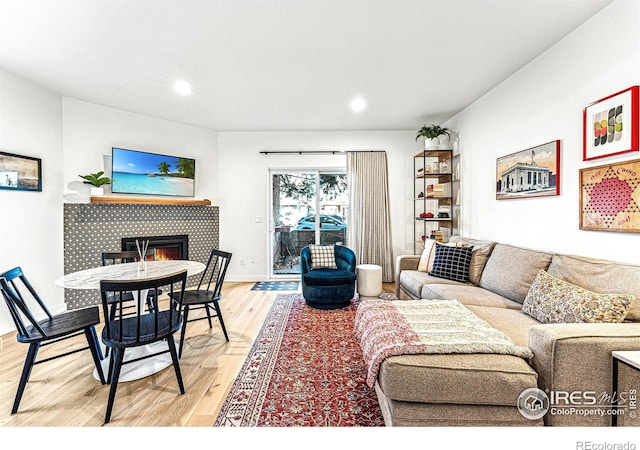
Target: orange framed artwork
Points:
(610, 197)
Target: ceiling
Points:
(282, 64)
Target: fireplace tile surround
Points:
(93, 228)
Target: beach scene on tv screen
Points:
(135, 172)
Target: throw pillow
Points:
(429, 253)
(452, 263)
(481, 251)
(552, 300)
(426, 259)
(323, 257)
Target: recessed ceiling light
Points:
(358, 104)
(182, 87)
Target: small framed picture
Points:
(610, 125)
(534, 172)
(20, 173)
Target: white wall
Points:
(91, 130)
(543, 102)
(245, 186)
(31, 225)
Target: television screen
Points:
(136, 172)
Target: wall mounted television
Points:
(138, 172)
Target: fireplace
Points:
(93, 228)
(166, 247)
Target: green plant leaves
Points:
(431, 132)
(96, 179)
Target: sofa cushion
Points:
(428, 255)
(510, 270)
(466, 379)
(551, 300)
(600, 276)
(414, 414)
(481, 251)
(515, 324)
(468, 295)
(452, 263)
(328, 277)
(323, 257)
(413, 281)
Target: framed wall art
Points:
(610, 125)
(20, 173)
(610, 197)
(534, 172)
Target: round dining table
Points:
(90, 279)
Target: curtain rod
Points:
(316, 152)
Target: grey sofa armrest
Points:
(576, 357)
(405, 262)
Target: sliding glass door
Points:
(296, 197)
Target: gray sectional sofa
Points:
(572, 361)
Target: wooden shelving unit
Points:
(435, 168)
(149, 201)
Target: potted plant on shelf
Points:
(432, 136)
(97, 180)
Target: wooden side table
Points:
(630, 358)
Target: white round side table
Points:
(369, 280)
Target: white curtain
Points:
(369, 230)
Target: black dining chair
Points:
(124, 332)
(205, 296)
(122, 257)
(18, 293)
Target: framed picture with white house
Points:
(534, 172)
(610, 125)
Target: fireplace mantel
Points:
(149, 201)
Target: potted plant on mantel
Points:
(432, 136)
(97, 180)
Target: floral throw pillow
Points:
(551, 300)
(323, 257)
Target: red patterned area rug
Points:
(304, 369)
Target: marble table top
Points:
(90, 278)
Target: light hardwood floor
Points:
(63, 392)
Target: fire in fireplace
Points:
(166, 247)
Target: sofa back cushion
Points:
(510, 270)
(479, 256)
(604, 277)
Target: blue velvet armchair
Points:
(329, 288)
